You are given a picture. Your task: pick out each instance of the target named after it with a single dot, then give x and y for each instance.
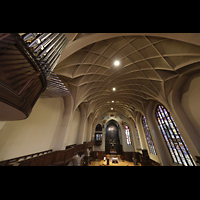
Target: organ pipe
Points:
(46, 49)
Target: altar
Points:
(114, 160)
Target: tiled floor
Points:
(104, 163)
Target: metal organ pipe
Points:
(46, 49)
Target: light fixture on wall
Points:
(112, 101)
(114, 89)
(111, 108)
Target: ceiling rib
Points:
(146, 63)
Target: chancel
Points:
(99, 99)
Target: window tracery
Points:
(175, 143)
(148, 136)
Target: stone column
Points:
(82, 126)
(141, 131)
(63, 132)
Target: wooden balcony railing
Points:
(21, 80)
(27, 61)
(22, 158)
(55, 158)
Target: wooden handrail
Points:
(25, 157)
(54, 158)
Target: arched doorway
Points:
(112, 139)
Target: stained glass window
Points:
(148, 136)
(175, 143)
(137, 136)
(128, 138)
(98, 137)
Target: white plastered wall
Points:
(34, 134)
(182, 112)
(191, 100)
(74, 127)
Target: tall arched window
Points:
(148, 136)
(128, 138)
(98, 127)
(137, 136)
(175, 143)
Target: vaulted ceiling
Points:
(149, 64)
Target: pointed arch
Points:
(175, 143)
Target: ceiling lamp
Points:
(116, 63)
(114, 89)
(111, 108)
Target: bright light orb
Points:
(116, 63)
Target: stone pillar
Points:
(141, 131)
(90, 120)
(133, 134)
(65, 124)
(82, 126)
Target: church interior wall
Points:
(34, 134)
(58, 122)
(178, 104)
(74, 128)
(190, 100)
